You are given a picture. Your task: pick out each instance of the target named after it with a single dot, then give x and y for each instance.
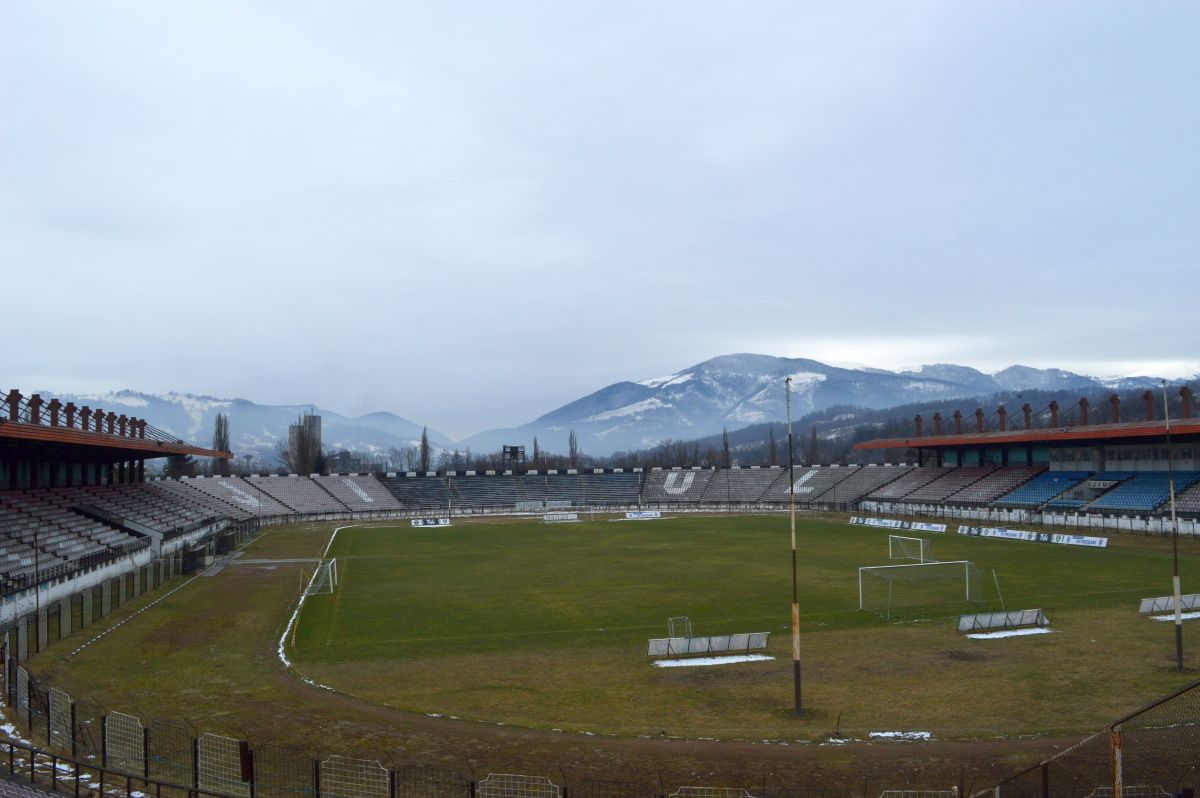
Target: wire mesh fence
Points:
(281, 772)
(124, 743)
(61, 722)
(169, 753)
(1153, 751)
(427, 781)
(513, 785)
(345, 777)
(220, 766)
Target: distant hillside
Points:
(736, 391)
(256, 429)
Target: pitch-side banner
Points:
(1036, 537)
(643, 515)
(892, 523)
(431, 522)
(559, 518)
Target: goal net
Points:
(932, 585)
(324, 580)
(906, 548)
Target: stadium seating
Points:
(907, 483)
(419, 493)
(611, 490)
(302, 494)
(1082, 494)
(358, 493)
(810, 481)
(211, 505)
(861, 482)
(675, 487)
(741, 485)
(1188, 501)
(478, 492)
(141, 504)
(994, 485)
(1143, 492)
(65, 540)
(241, 493)
(11, 788)
(1042, 488)
(949, 483)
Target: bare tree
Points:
(772, 453)
(725, 458)
(573, 449)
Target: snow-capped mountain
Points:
(734, 391)
(256, 429)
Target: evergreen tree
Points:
(573, 449)
(424, 452)
(725, 459)
(813, 457)
(772, 453)
(179, 465)
(220, 466)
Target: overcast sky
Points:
(471, 213)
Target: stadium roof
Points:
(1129, 432)
(34, 421)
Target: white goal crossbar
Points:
(889, 570)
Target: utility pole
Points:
(1174, 538)
(792, 518)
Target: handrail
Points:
(37, 411)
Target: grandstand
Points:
(1143, 492)
(615, 489)
(299, 494)
(419, 493)
(994, 485)
(240, 493)
(476, 492)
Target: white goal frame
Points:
(896, 542)
(966, 566)
(324, 579)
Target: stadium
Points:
(993, 616)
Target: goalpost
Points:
(929, 584)
(906, 548)
(324, 579)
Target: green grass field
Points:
(546, 626)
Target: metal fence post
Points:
(1118, 776)
(317, 777)
(196, 763)
(74, 726)
(146, 751)
(391, 783)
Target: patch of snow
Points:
(700, 662)
(124, 400)
(195, 407)
(806, 380)
(901, 735)
(658, 382)
(1041, 630)
(643, 406)
(1187, 616)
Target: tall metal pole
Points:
(1174, 538)
(792, 518)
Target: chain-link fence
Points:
(1153, 751)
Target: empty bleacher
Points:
(611, 490)
(142, 504)
(862, 481)
(479, 492)
(907, 483)
(675, 487)
(418, 493)
(1041, 489)
(741, 485)
(949, 483)
(241, 493)
(1143, 492)
(810, 482)
(1187, 501)
(211, 505)
(300, 493)
(1085, 492)
(358, 493)
(994, 485)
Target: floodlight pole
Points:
(1174, 538)
(792, 519)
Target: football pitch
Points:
(528, 624)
